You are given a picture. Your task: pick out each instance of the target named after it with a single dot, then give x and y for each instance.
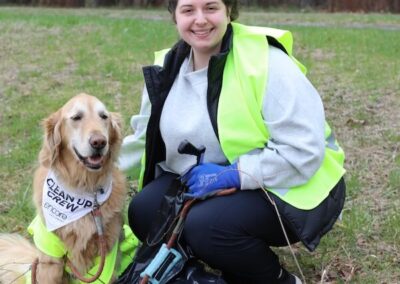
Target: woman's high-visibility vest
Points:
(240, 124)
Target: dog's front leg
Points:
(49, 270)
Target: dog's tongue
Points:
(95, 160)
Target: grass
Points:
(48, 55)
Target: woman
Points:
(238, 91)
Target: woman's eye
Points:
(185, 9)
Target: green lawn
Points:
(48, 55)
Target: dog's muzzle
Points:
(93, 162)
(97, 143)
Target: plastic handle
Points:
(185, 147)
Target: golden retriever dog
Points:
(79, 153)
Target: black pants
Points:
(232, 233)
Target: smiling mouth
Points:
(202, 33)
(93, 162)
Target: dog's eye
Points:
(103, 115)
(76, 117)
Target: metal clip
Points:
(98, 220)
(96, 204)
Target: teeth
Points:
(201, 33)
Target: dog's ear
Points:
(116, 130)
(52, 139)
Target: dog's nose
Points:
(98, 141)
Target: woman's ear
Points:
(52, 139)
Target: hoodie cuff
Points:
(250, 172)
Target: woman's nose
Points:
(200, 18)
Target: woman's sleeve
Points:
(133, 145)
(294, 116)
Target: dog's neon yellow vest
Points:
(50, 244)
(240, 123)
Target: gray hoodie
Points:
(293, 114)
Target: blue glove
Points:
(205, 180)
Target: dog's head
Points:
(82, 130)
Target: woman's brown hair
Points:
(231, 6)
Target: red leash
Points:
(99, 225)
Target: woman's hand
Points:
(207, 179)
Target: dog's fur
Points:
(68, 150)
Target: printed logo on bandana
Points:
(62, 206)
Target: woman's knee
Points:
(208, 230)
(218, 232)
(137, 217)
(145, 204)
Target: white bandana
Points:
(62, 206)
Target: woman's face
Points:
(202, 24)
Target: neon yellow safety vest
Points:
(242, 129)
(50, 244)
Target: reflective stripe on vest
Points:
(240, 123)
(50, 244)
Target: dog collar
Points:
(62, 205)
